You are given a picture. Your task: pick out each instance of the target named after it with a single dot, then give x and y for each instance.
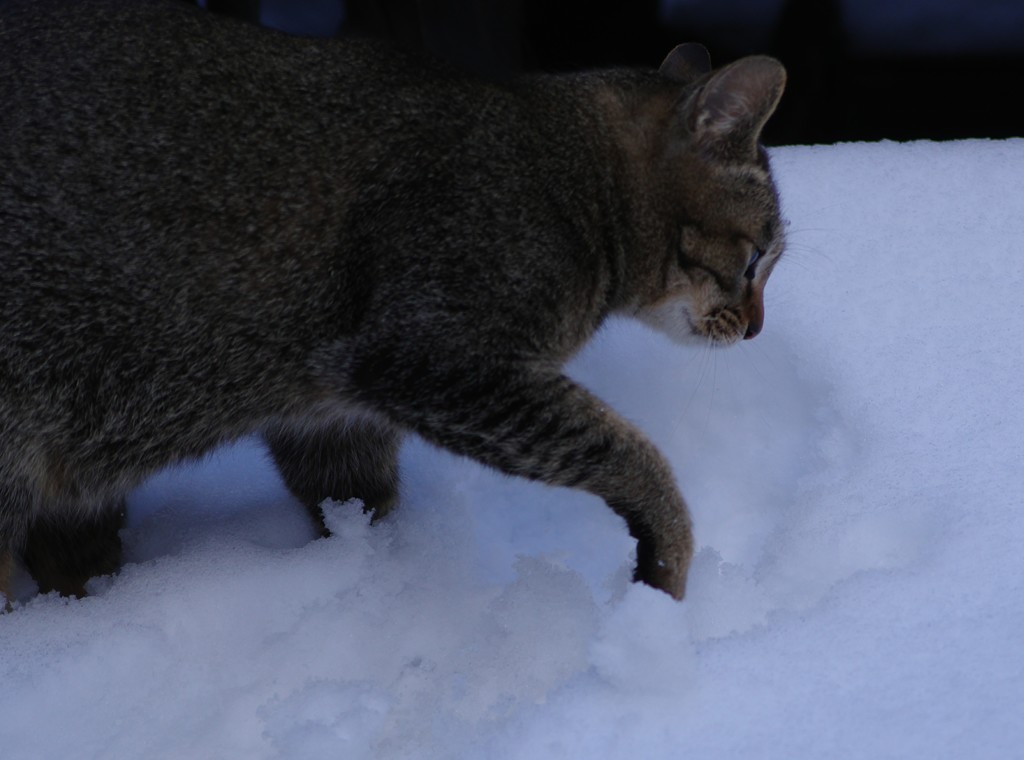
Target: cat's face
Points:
(725, 234)
(724, 250)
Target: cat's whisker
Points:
(797, 250)
(704, 354)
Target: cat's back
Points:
(97, 46)
(121, 98)
(175, 154)
(174, 140)
(140, 76)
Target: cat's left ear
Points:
(727, 114)
(686, 63)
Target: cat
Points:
(209, 230)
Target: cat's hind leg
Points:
(65, 550)
(6, 571)
(352, 458)
(15, 507)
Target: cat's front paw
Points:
(664, 565)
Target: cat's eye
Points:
(752, 264)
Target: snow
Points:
(855, 479)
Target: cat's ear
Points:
(727, 114)
(686, 63)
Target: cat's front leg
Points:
(537, 423)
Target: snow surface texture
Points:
(855, 479)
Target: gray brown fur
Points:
(208, 230)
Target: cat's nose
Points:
(755, 316)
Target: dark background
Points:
(908, 69)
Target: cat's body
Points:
(208, 230)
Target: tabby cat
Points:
(209, 229)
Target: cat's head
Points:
(719, 230)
